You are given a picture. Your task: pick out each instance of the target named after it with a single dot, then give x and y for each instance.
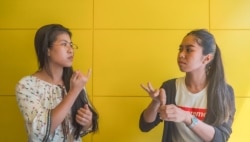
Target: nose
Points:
(70, 49)
(181, 54)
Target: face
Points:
(190, 57)
(61, 53)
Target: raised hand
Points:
(163, 97)
(153, 93)
(78, 80)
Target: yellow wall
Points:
(126, 43)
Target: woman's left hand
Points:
(172, 113)
(84, 116)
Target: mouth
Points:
(181, 63)
(71, 58)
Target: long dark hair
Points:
(219, 102)
(80, 101)
(44, 38)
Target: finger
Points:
(82, 120)
(76, 74)
(89, 73)
(87, 111)
(156, 93)
(145, 88)
(86, 106)
(151, 89)
(80, 111)
(84, 115)
(162, 112)
(163, 97)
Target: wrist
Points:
(188, 118)
(193, 122)
(74, 92)
(155, 104)
(87, 128)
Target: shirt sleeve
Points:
(170, 89)
(223, 132)
(36, 117)
(146, 126)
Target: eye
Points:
(180, 49)
(189, 50)
(64, 44)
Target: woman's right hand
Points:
(153, 93)
(78, 81)
(158, 95)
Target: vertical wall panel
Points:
(123, 59)
(119, 120)
(230, 14)
(83, 55)
(241, 120)
(33, 14)
(236, 59)
(12, 127)
(141, 14)
(17, 58)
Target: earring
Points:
(48, 52)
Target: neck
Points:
(53, 76)
(195, 83)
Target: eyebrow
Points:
(189, 45)
(65, 41)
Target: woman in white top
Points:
(199, 106)
(53, 101)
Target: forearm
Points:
(203, 130)
(59, 112)
(151, 111)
